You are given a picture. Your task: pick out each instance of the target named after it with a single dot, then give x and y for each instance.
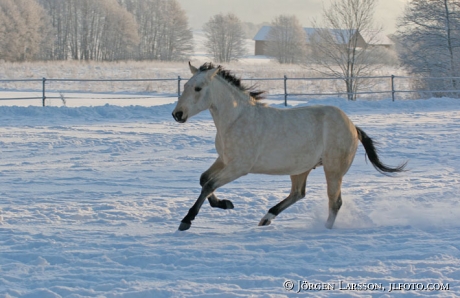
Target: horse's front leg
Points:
(206, 176)
(227, 174)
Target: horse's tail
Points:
(371, 152)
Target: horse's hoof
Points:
(227, 204)
(267, 219)
(329, 225)
(330, 222)
(184, 226)
(264, 222)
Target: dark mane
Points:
(232, 79)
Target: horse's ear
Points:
(193, 69)
(212, 73)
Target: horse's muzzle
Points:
(178, 117)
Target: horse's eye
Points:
(197, 89)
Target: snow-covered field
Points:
(91, 198)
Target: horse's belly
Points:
(285, 164)
(289, 153)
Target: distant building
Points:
(377, 39)
(341, 36)
(261, 41)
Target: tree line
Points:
(103, 30)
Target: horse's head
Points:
(195, 97)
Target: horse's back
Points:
(316, 119)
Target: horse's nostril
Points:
(178, 115)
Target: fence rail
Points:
(395, 85)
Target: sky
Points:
(259, 11)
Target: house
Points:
(341, 36)
(377, 39)
(261, 41)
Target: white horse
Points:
(255, 138)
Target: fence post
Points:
(285, 91)
(393, 88)
(43, 91)
(178, 86)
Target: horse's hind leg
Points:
(334, 183)
(341, 149)
(206, 176)
(299, 183)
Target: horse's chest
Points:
(233, 145)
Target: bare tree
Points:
(104, 30)
(340, 51)
(11, 28)
(429, 41)
(225, 37)
(149, 16)
(163, 29)
(23, 29)
(178, 37)
(119, 36)
(91, 30)
(56, 10)
(286, 40)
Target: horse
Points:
(253, 137)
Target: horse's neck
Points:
(228, 104)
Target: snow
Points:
(91, 199)
(79, 99)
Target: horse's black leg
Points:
(222, 204)
(213, 200)
(299, 183)
(193, 212)
(206, 176)
(222, 177)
